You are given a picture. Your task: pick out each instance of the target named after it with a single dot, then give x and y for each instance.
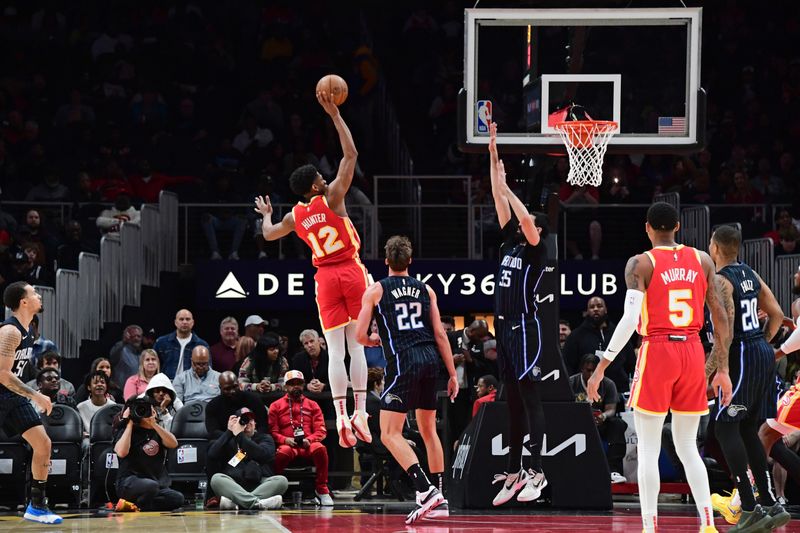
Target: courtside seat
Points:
(15, 460)
(64, 426)
(103, 463)
(187, 462)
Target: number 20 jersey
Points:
(674, 299)
(403, 315)
(332, 238)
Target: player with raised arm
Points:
(752, 368)
(341, 279)
(17, 415)
(667, 287)
(413, 339)
(523, 257)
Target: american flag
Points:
(671, 125)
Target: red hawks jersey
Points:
(674, 299)
(332, 238)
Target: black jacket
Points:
(302, 362)
(587, 338)
(219, 409)
(257, 464)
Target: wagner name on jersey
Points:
(22, 354)
(403, 314)
(746, 287)
(332, 238)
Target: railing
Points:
(672, 198)
(695, 226)
(132, 264)
(111, 281)
(784, 270)
(760, 255)
(69, 304)
(89, 290)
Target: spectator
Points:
(50, 190)
(374, 354)
(448, 323)
(252, 134)
(312, 361)
(149, 366)
(564, 331)
(28, 265)
(224, 219)
(113, 391)
(611, 428)
(742, 192)
(175, 348)
(165, 400)
(254, 327)
(147, 185)
(48, 381)
(41, 344)
(264, 368)
(110, 220)
(244, 346)
(248, 483)
(486, 390)
(124, 355)
(68, 253)
(230, 399)
(74, 112)
(766, 183)
(594, 335)
(34, 231)
(788, 241)
(200, 383)
(480, 352)
(783, 221)
(299, 429)
(97, 384)
(142, 479)
(51, 359)
(223, 353)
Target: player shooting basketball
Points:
(341, 279)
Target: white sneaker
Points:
(360, 426)
(325, 500)
(440, 511)
(426, 501)
(273, 502)
(345, 431)
(512, 483)
(215, 256)
(234, 256)
(533, 488)
(616, 477)
(226, 504)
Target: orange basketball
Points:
(333, 85)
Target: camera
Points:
(140, 408)
(243, 420)
(299, 435)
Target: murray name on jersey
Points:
(678, 274)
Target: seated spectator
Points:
(74, 244)
(254, 327)
(200, 383)
(263, 369)
(299, 429)
(783, 221)
(742, 191)
(230, 399)
(611, 428)
(41, 344)
(374, 354)
(252, 135)
(564, 331)
(224, 219)
(223, 353)
(789, 238)
(486, 390)
(110, 220)
(147, 185)
(247, 480)
(124, 355)
(113, 391)
(312, 361)
(175, 348)
(52, 360)
(244, 346)
(166, 403)
(142, 479)
(97, 384)
(50, 190)
(149, 366)
(48, 382)
(34, 230)
(26, 265)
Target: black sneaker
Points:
(755, 521)
(778, 516)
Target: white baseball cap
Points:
(293, 374)
(254, 320)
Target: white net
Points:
(586, 142)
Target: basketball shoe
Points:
(755, 520)
(512, 484)
(778, 516)
(533, 488)
(42, 514)
(440, 511)
(426, 501)
(722, 505)
(124, 506)
(345, 431)
(360, 426)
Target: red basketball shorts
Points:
(670, 376)
(339, 290)
(788, 417)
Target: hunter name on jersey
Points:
(318, 218)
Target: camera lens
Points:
(243, 420)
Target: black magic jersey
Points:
(746, 287)
(22, 354)
(521, 269)
(404, 314)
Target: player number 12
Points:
(331, 243)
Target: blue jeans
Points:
(211, 225)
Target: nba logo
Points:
(484, 108)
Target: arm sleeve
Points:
(792, 344)
(627, 324)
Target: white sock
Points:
(648, 432)
(337, 374)
(358, 368)
(684, 435)
(736, 500)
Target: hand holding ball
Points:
(335, 86)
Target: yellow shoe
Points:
(709, 529)
(124, 506)
(722, 504)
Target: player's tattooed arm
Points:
(10, 338)
(719, 298)
(636, 272)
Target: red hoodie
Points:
(280, 423)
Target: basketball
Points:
(334, 85)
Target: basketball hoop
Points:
(586, 142)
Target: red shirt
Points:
(483, 399)
(332, 239)
(674, 299)
(305, 412)
(223, 357)
(148, 190)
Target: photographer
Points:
(298, 429)
(139, 442)
(247, 480)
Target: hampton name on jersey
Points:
(746, 287)
(404, 314)
(521, 269)
(22, 354)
